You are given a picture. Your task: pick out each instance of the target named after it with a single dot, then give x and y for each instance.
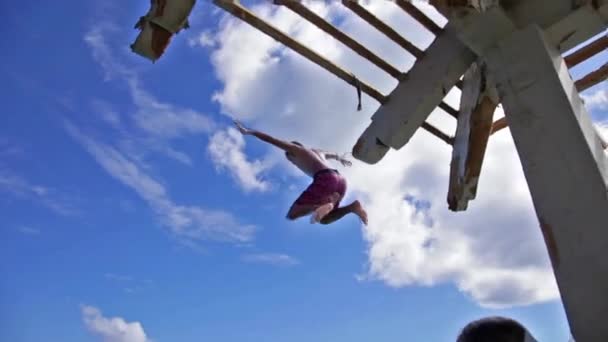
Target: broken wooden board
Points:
(164, 19)
(477, 104)
(412, 101)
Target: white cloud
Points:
(107, 113)
(602, 127)
(493, 253)
(8, 149)
(273, 259)
(22, 188)
(118, 277)
(19, 186)
(150, 128)
(128, 283)
(112, 329)
(204, 39)
(186, 222)
(602, 130)
(597, 99)
(163, 119)
(28, 230)
(156, 123)
(226, 151)
(102, 53)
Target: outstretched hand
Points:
(244, 130)
(345, 162)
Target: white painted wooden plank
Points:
(469, 98)
(477, 105)
(480, 31)
(412, 101)
(566, 171)
(577, 27)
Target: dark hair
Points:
(493, 329)
(297, 143)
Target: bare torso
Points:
(307, 160)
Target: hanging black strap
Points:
(358, 86)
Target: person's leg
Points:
(298, 210)
(330, 204)
(338, 213)
(318, 194)
(319, 207)
(339, 184)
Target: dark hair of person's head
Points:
(493, 329)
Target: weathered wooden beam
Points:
(499, 124)
(456, 7)
(585, 21)
(477, 105)
(566, 170)
(438, 133)
(412, 101)
(566, 25)
(322, 24)
(449, 3)
(419, 16)
(388, 31)
(448, 109)
(587, 51)
(235, 8)
(592, 78)
(583, 84)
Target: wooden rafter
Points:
(499, 124)
(247, 16)
(592, 78)
(448, 109)
(438, 133)
(587, 51)
(388, 31)
(235, 8)
(397, 38)
(419, 16)
(342, 37)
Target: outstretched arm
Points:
(284, 145)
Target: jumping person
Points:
(323, 196)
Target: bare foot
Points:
(320, 212)
(359, 211)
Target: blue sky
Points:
(125, 194)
